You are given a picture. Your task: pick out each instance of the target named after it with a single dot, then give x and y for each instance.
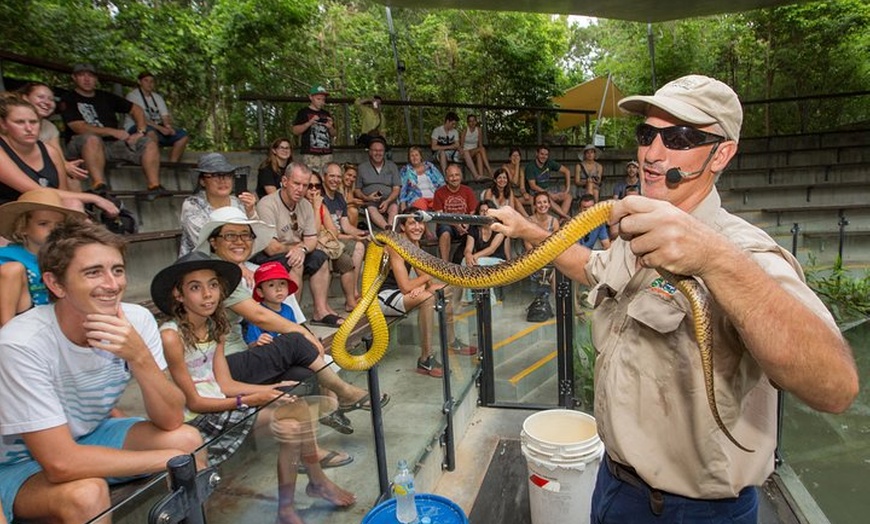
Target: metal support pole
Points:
(420, 121)
(378, 428)
(565, 339)
(484, 344)
(795, 231)
(189, 489)
(651, 44)
(261, 126)
(449, 463)
(348, 135)
(843, 222)
(400, 69)
(540, 127)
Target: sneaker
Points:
(457, 346)
(101, 189)
(430, 367)
(156, 192)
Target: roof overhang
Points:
(633, 10)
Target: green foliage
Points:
(845, 295)
(584, 368)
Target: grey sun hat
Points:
(232, 215)
(214, 163)
(694, 99)
(593, 148)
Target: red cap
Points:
(272, 271)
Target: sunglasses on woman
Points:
(676, 137)
(315, 186)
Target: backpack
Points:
(539, 310)
(123, 224)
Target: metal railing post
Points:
(189, 491)
(565, 339)
(843, 222)
(449, 463)
(484, 344)
(378, 427)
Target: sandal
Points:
(329, 320)
(339, 422)
(364, 403)
(331, 460)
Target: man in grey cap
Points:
(93, 134)
(666, 459)
(215, 188)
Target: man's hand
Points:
(510, 223)
(75, 170)
(115, 334)
(664, 236)
(295, 255)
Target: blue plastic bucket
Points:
(436, 508)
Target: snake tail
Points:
(700, 304)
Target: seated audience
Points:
(517, 177)
(445, 142)
(42, 98)
(405, 290)
(347, 230)
(419, 180)
(454, 197)
(26, 163)
(191, 291)
(297, 353)
(158, 120)
(377, 184)
(348, 186)
(543, 282)
(589, 174)
(64, 367)
(597, 238)
(632, 178)
(215, 180)
(539, 173)
(295, 241)
(473, 151)
(272, 169)
(27, 222)
(500, 192)
(345, 254)
(484, 247)
(90, 116)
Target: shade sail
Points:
(588, 95)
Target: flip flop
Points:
(337, 421)
(365, 404)
(329, 320)
(331, 460)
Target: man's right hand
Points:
(510, 223)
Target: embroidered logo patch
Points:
(663, 287)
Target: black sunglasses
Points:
(676, 137)
(315, 186)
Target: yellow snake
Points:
(481, 277)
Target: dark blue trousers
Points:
(618, 502)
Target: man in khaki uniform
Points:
(666, 458)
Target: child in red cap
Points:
(272, 285)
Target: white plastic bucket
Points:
(563, 452)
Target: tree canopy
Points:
(206, 53)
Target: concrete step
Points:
(797, 197)
(528, 368)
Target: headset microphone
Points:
(675, 175)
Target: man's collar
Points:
(288, 203)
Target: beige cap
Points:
(694, 99)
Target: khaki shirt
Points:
(272, 210)
(650, 400)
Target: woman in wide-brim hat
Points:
(214, 179)
(589, 174)
(27, 222)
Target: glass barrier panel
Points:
(462, 340)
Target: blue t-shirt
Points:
(17, 253)
(599, 233)
(253, 332)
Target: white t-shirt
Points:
(46, 381)
(153, 105)
(443, 137)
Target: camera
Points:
(322, 119)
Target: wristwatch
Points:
(304, 249)
(239, 404)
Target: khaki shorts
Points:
(116, 150)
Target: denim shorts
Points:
(111, 433)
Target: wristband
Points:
(304, 249)
(239, 404)
(141, 130)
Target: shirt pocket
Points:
(655, 312)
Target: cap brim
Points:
(639, 105)
(164, 281)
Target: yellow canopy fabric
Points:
(588, 95)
